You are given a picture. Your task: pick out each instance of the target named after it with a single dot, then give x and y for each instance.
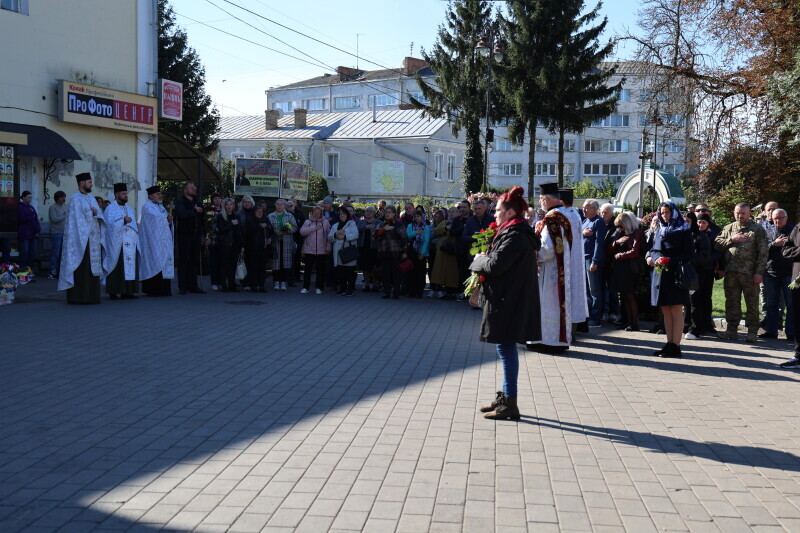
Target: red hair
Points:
(514, 199)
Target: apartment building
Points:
(609, 148)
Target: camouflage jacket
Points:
(748, 257)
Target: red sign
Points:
(171, 100)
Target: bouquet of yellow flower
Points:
(482, 240)
(286, 227)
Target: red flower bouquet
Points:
(662, 264)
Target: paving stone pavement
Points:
(323, 413)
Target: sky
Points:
(238, 72)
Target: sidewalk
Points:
(250, 412)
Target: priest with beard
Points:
(82, 250)
(157, 265)
(122, 246)
(555, 266)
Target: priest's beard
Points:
(85, 189)
(122, 201)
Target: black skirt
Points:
(669, 293)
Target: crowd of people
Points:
(602, 267)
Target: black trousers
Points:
(346, 278)
(228, 257)
(259, 265)
(796, 307)
(415, 284)
(698, 316)
(318, 264)
(188, 261)
(391, 274)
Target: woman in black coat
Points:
(258, 246)
(509, 295)
(229, 240)
(695, 316)
(673, 240)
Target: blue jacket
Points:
(593, 246)
(426, 238)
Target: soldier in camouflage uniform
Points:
(744, 245)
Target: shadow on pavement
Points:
(753, 456)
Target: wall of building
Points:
(94, 42)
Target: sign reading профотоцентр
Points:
(106, 108)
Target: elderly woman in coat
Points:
(284, 225)
(509, 295)
(344, 234)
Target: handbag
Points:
(348, 254)
(405, 266)
(686, 278)
(447, 247)
(475, 297)
(241, 269)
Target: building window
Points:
(286, 107)
(624, 95)
(332, 165)
(505, 145)
(669, 145)
(551, 145)
(18, 6)
(383, 100)
(669, 120)
(315, 104)
(605, 170)
(509, 169)
(611, 145)
(676, 169)
(347, 102)
(451, 168)
(613, 121)
(551, 169)
(438, 166)
(419, 97)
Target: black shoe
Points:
(794, 362)
(631, 328)
(366, 289)
(671, 350)
(766, 335)
(182, 291)
(658, 353)
(583, 327)
(790, 338)
(395, 297)
(348, 293)
(385, 297)
(197, 290)
(129, 296)
(114, 296)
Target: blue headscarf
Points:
(676, 221)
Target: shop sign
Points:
(106, 108)
(170, 100)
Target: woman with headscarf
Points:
(626, 253)
(368, 248)
(229, 240)
(344, 234)
(672, 240)
(509, 295)
(444, 274)
(419, 239)
(259, 242)
(693, 317)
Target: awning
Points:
(42, 142)
(179, 161)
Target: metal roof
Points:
(398, 123)
(362, 76)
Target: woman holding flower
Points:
(391, 240)
(419, 239)
(344, 234)
(509, 295)
(626, 249)
(284, 225)
(672, 248)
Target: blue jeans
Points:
(509, 356)
(56, 239)
(27, 252)
(776, 289)
(594, 291)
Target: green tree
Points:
(317, 187)
(581, 93)
(461, 80)
(179, 62)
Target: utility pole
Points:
(644, 156)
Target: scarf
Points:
(555, 221)
(676, 220)
(420, 237)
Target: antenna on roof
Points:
(357, 36)
(411, 51)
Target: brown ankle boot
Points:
(507, 411)
(498, 401)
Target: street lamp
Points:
(490, 47)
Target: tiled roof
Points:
(399, 123)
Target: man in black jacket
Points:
(188, 232)
(462, 250)
(777, 279)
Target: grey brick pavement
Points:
(325, 413)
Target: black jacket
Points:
(189, 221)
(791, 251)
(702, 251)
(777, 265)
(228, 233)
(510, 294)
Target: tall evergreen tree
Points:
(520, 78)
(461, 79)
(577, 78)
(179, 62)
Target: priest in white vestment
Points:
(579, 304)
(122, 246)
(83, 246)
(555, 287)
(157, 263)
